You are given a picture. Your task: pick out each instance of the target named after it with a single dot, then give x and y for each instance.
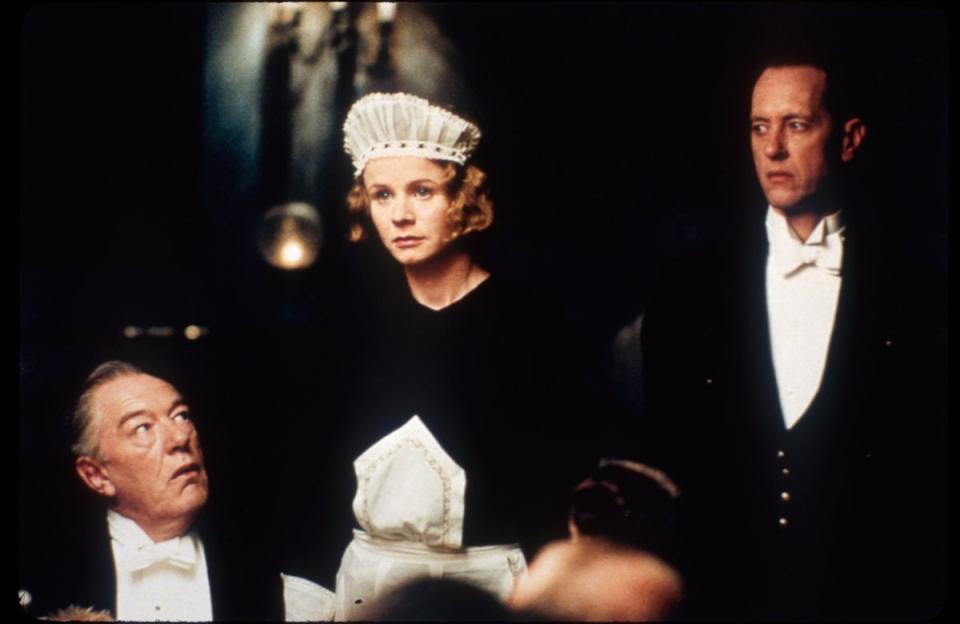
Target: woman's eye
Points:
(381, 196)
(423, 191)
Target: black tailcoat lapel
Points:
(72, 565)
(245, 583)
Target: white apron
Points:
(410, 503)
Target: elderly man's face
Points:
(149, 462)
(789, 132)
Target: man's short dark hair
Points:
(846, 76)
(83, 440)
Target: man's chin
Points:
(790, 202)
(790, 205)
(194, 497)
(781, 201)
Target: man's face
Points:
(150, 457)
(789, 132)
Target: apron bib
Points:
(410, 504)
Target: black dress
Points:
(491, 377)
(496, 379)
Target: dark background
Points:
(615, 136)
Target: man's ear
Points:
(854, 130)
(94, 474)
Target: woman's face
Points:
(408, 207)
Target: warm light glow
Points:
(291, 253)
(192, 332)
(132, 332)
(161, 331)
(290, 236)
(338, 6)
(386, 11)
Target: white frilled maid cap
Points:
(399, 124)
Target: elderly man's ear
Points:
(854, 130)
(95, 476)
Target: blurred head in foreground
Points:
(613, 567)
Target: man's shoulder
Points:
(67, 561)
(705, 274)
(242, 567)
(911, 291)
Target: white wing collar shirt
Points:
(164, 581)
(803, 286)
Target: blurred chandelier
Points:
(290, 28)
(290, 236)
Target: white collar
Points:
(789, 253)
(141, 551)
(779, 231)
(126, 531)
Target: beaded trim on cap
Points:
(399, 124)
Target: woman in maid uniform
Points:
(466, 426)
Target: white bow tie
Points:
(178, 552)
(826, 256)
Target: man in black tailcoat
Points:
(797, 388)
(154, 553)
